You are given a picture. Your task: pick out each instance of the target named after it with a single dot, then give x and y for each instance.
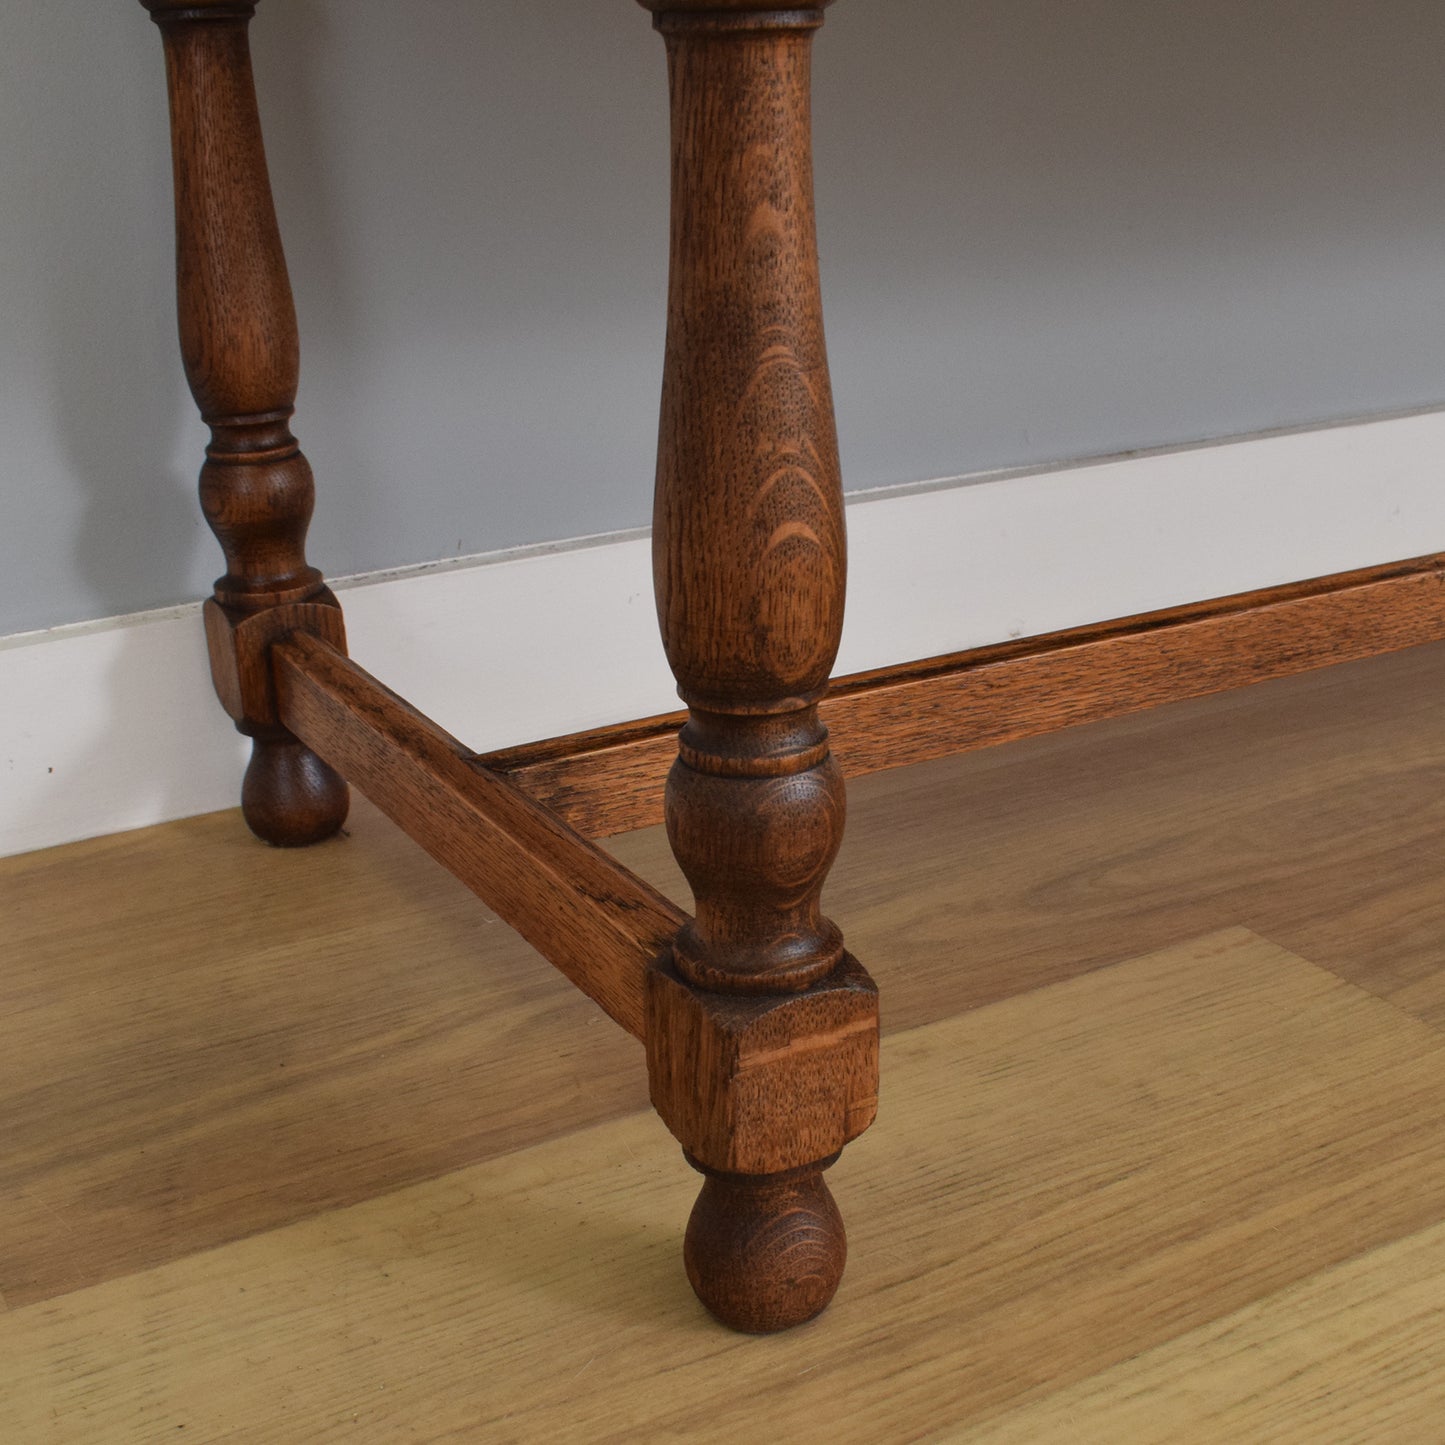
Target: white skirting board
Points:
(111, 725)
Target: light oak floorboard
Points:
(1356, 1353)
(201, 1037)
(1057, 1183)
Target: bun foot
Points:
(765, 1252)
(290, 798)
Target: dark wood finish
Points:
(603, 781)
(608, 780)
(766, 1089)
(748, 547)
(764, 1083)
(581, 909)
(1025, 688)
(748, 569)
(749, 581)
(765, 1254)
(239, 345)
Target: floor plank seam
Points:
(1360, 988)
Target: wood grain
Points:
(764, 1084)
(749, 563)
(1354, 1353)
(1080, 1175)
(748, 546)
(201, 1038)
(606, 781)
(241, 354)
(585, 913)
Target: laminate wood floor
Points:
(302, 1147)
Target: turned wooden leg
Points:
(762, 1032)
(239, 345)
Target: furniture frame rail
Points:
(609, 780)
(761, 1030)
(580, 909)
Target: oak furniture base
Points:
(761, 1031)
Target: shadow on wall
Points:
(114, 525)
(113, 433)
(473, 203)
(95, 328)
(291, 45)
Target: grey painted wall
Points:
(1051, 229)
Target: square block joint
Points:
(760, 1083)
(239, 644)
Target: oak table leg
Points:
(239, 345)
(762, 1032)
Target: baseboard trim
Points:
(111, 725)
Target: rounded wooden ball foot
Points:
(765, 1252)
(290, 798)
